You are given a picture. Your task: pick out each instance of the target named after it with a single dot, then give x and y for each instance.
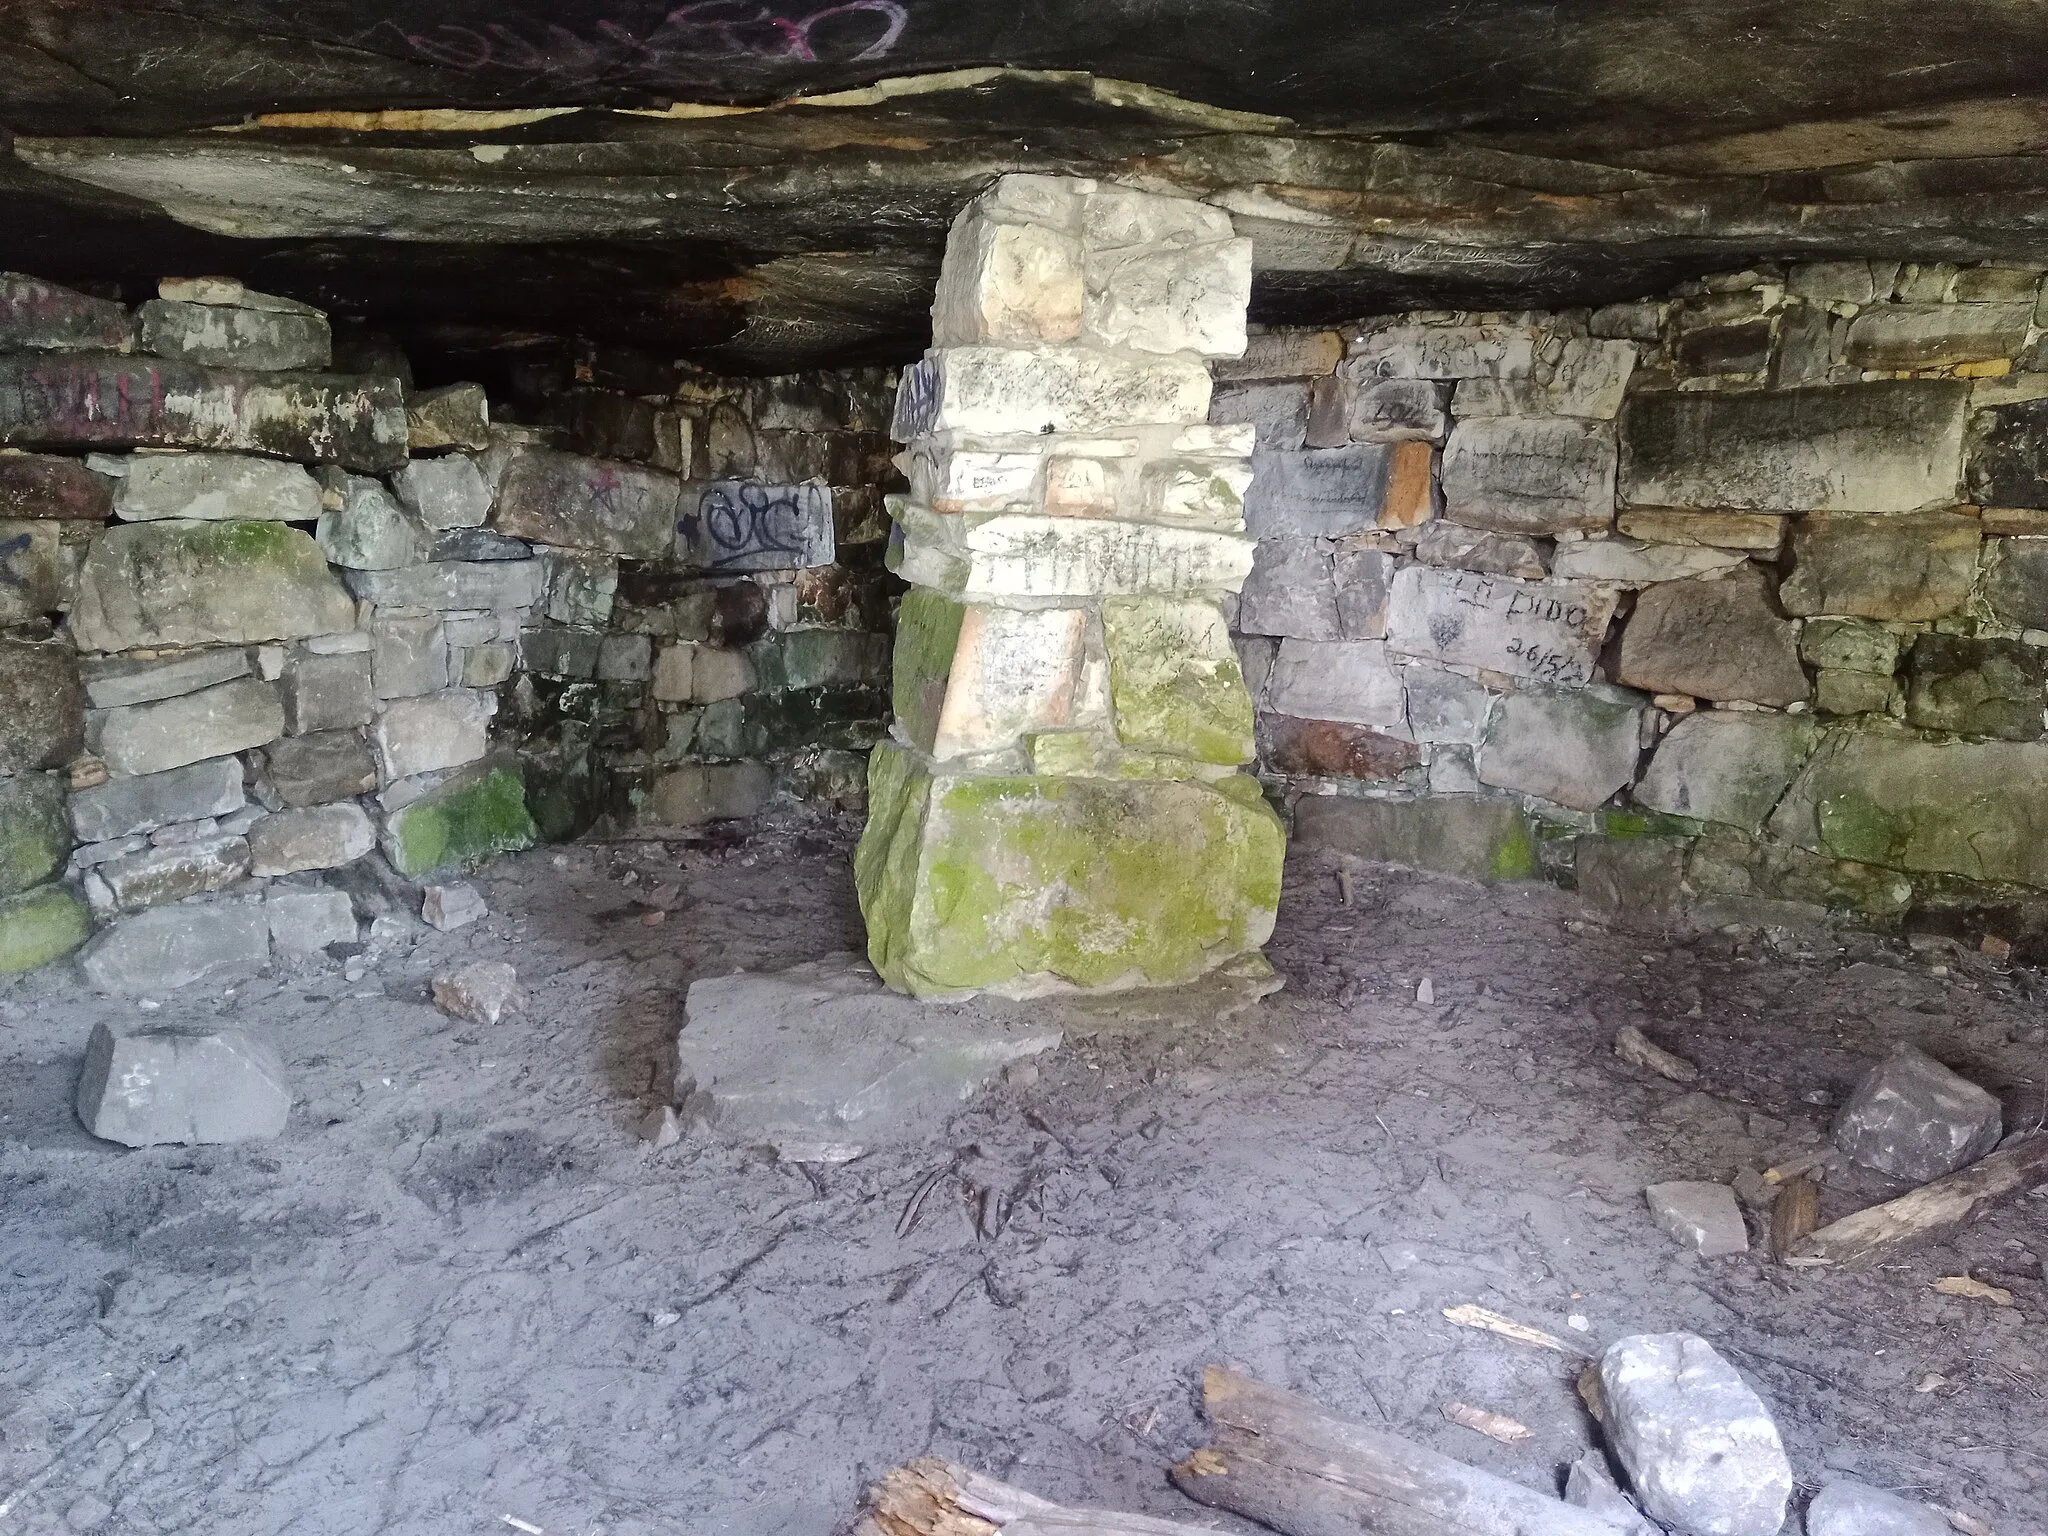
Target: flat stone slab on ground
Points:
(1702, 1215)
(1700, 1447)
(163, 1085)
(822, 1060)
(1914, 1119)
(173, 946)
(1856, 1509)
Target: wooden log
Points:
(931, 1497)
(1282, 1461)
(1928, 1211)
(1795, 1215)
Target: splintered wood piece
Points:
(931, 1497)
(1973, 1289)
(1469, 1316)
(1495, 1426)
(1639, 1050)
(1928, 1211)
(1795, 1214)
(1282, 1461)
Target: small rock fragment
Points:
(135, 1434)
(1589, 1484)
(1638, 1050)
(1701, 1214)
(1698, 1445)
(88, 1513)
(1855, 1509)
(1914, 1119)
(482, 991)
(1973, 1289)
(452, 906)
(168, 1085)
(1425, 992)
(661, 1127)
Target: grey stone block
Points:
(1846, 1508)
(1445, 543)
(1521, 474)
(456, 416)
(321, 767)
(737, 525)
(35, 835)
(169, 947)
(824, 1062)
(1289, 592)
(269, 341)
(1318, 493)
(439, 730)
(1910, 567)
(481, 991)
(1365, 582)
(573, 502)
(1349, 680)
(1569, 746)
(113, 681)
(163, 1085)
(327, 693)
(1715, 639)
(1993, 688)
(1396, 410)
(408, 655)
(477, 544)
(210, 861)
(43, 725)
(2016, 585)
(1905, 336)
(1477, 839)
(158, 585)
(1727, 766)
(1855, 645)
(37, 316)
(1446, 707)
(444, 493)
(568, 653)
(1914, 1119)
(318, 837)
(1633, 882)
(453, 585)
(211, 487)
(1703, 1216)
(1551, 631)
(452, 906)
(229, 717)
(1699, 1446)
(370, 531)
(1277, 411)
(303, 922)
(120, 807)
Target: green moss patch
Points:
(466, 819)
(39, 926)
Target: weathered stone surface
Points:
(370, 531)
(1733, 767)
(1353, 681)
(1838, 692)
(165, 1085)
(305, 921)
(1007, 283)
(1276, 412)
(1024, 555)
(1548, 630)
(1571, 746)
(1889, 446)
(1844, 1508)
(1446, 543)
(37, 316)
(1527, 474)
(170, 947)
(456, 416)
(1325, 493)
(701, 792)
(975, 679)
(1855, 645)
(1365, 589)
(191, 867)
(1699, 1446)
(2016, 585)
(1977, 687)
(1760, 531)
(104, 401)
(1284, 355)
(1445, 707)
(209, 487)
(1730, 866)
(1476, 839)
(1348, 409)
(1918, 567)
(473, 816)
(1331, 749)
(2009, 455)
(1590, 1485)
(1633, 564)
(327, 693)
(1632, 882)
(1289, 592)
(112, 681)
(1977, 809)
(1936, 335)
(1914, 1119)
(408, 656)
(454, 584)
(321, 767)
(319, 837)
(737, 525)
(451, 906)
(230, 717)
(997, 389)
(41, 485)
(43, 725)
(823, 1062)
(39, 926)
(234, 336)
(1701, 1215)
(569, 653)
(119, 807)
(444, 493)
(1407, 351)
(1174, 682)
(193, 583)
(1718, 639)
(35, 835)
(1588, 380)
(39, 561)
(568, 500)
(481, 991)
(1020, 885)
(438, 730)
(1167, 282)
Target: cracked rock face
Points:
(1914, 1119)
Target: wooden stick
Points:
(935, 1498)
(1282, 1461)
(1795, 1215)
(1927, 1211)
(85, 1439)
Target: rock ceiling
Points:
(766, 183)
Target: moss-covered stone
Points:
(471, 817)
(194, 583)
(927, 636)
(1021, 885)
(1174, 679)
(1726, 864)
(35, 835)
(39, 926)
(844, 717)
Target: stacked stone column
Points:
(1062, 802)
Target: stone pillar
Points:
(1062, 803)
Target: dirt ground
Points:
(460, 1287)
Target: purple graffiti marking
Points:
(707, 31)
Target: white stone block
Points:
(1014, 673)
(1401, 351)
(1173, 300)
(211, 487)
(439, 730)
(1007, 284)
(1354, 681)
(1032, 555)
(302, 922)
(1062, 389)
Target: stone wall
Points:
(260, 621)
(1725, 599)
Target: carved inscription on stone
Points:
(1550, 630)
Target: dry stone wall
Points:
(271, 635)
(1724, 599)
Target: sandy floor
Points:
(459, 1287)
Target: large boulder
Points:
(197, 583)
